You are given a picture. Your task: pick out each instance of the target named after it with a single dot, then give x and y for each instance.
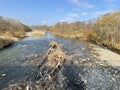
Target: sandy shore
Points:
(35, 33)
(106, 55)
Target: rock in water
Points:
(3, 75)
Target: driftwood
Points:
(45, 76)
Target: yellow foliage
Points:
(107, 30)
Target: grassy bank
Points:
(107, 31)
(35, 33)
(11, 30)
(5, 42)
(72, 35)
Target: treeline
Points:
(76, 30)
(41, 27)
(12, 27)
(105, 30)
(5, 42)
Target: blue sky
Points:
(40, 12)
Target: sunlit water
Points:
(28, 46)
(97, 78)
(11, 57)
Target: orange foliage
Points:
(88, 33)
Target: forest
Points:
(12, 27)
(10, 30)
(105, 30)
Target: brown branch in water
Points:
(45, 76)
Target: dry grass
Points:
(5, 42)
(35, 33)
(72, 35)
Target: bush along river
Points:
(81, 71)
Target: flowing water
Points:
(80, 71)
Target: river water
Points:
(12, 57)
(80, 71)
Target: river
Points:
(80, 70)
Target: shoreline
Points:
(104, 54)
(6, 40)
(35, 33)
(79, 66)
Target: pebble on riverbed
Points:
(3, 75)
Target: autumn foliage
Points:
(107, 31)
(12, 27)
(77, 30)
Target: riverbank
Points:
(81, 69)
(105, 54)
(6, 39)
(35, 33)
(72, 35)
(4, 42)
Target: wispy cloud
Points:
(84, 13)
(99, 13)
(73, 15)
(82, 4)
(45, 22)
(70, 17)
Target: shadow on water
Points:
(91, 78)
(72, 79)
(14, 73)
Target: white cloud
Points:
(67, 19)
(73, 15)
(84, 13)
(82, 4)
(45, 22)
(99, 13)
(70, 17)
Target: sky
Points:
(49, 12)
